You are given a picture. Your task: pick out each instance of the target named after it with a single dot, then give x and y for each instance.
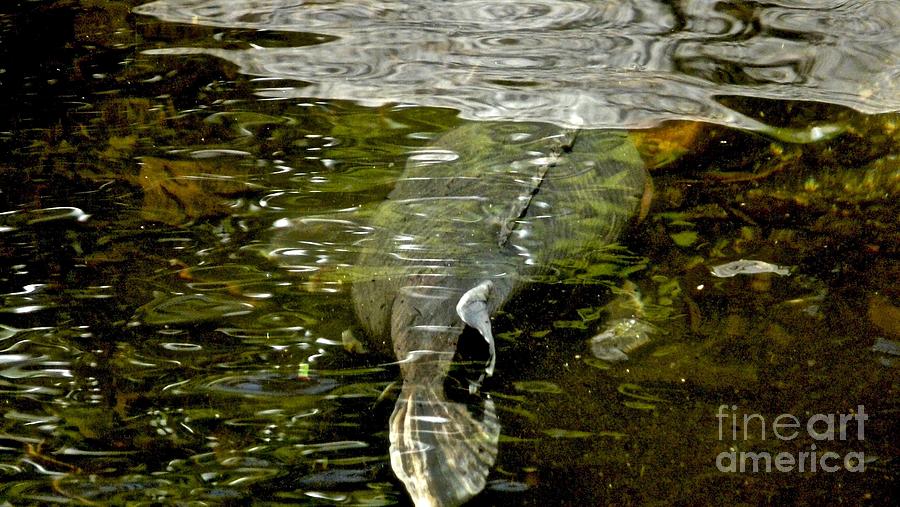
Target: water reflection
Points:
(615, 64)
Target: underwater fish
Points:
(470, 222)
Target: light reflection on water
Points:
(621, 64)
(182, 340)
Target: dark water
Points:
(183, 185)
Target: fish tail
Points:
(442, 450)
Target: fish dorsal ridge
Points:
(520, 206)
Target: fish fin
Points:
(519, 207)
(441, 450)
(474, 310)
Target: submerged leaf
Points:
(538, 386)
(636, 391)
(561, 433)
(640, 405)
(685, 238)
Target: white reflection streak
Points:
(430, 419)
(264, 203)
(422, 291)
(74, 451)
(28, 309)
(439, 261)
(43, 470)
(421, 448)
(12, 358)
(417, 200)
(72, 212)
(438, 178)
(176, 384)
(415, 355)
(29, 289)
(9, 332)
(432, 328)
(433, 156)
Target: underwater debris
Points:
(886, 346)
(748, 267)
(887, 350)
(621, 337)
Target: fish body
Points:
(469, 222)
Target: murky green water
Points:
(184, 186)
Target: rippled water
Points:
(185, 185)
(615, 64)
